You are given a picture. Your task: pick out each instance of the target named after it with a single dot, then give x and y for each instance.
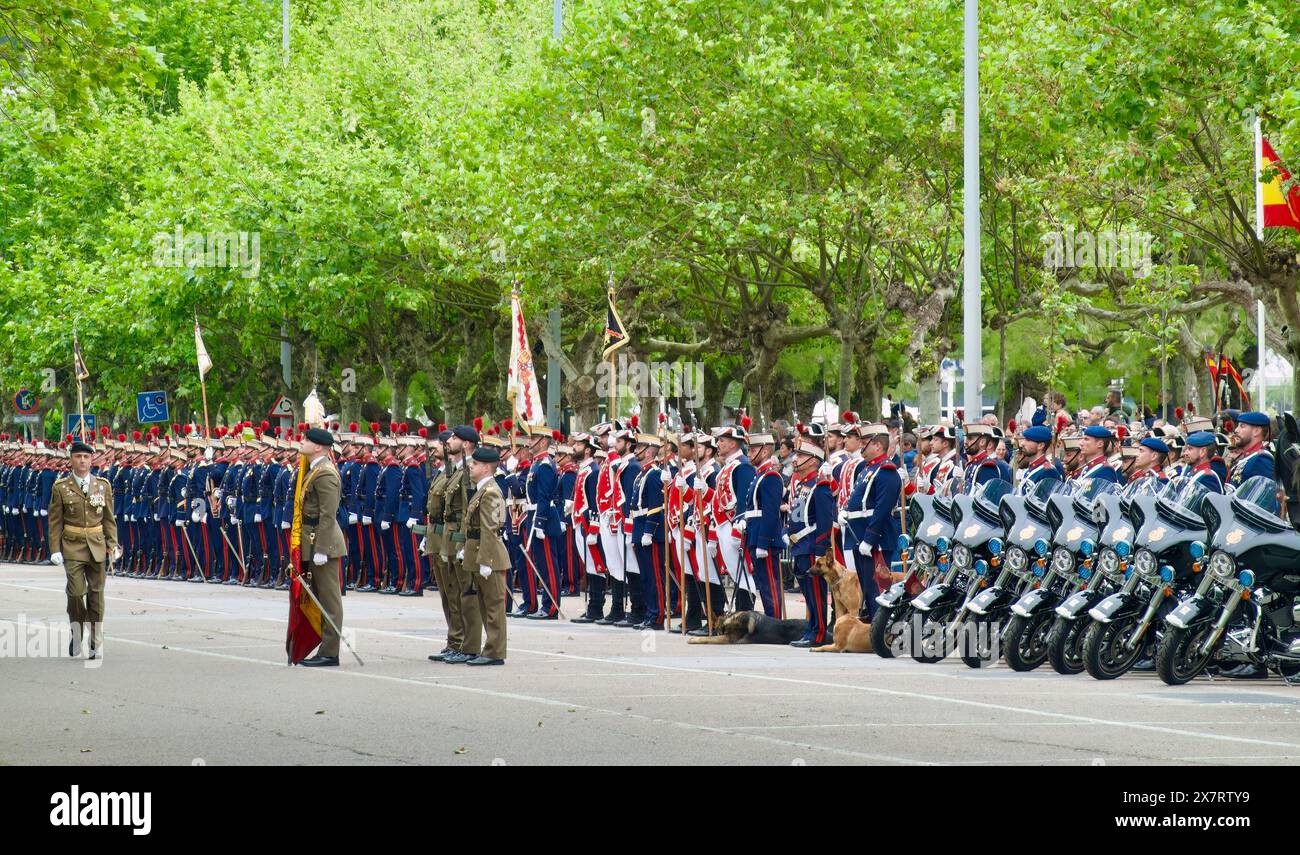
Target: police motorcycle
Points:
(1243, 610)
(923, 552)
(1062, 560)
(1025, 523)
(1101, 576)
(942, 615)
(1127, 624)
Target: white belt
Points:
(753, 513)
(802, 533)
(530, 506)
(639, 513)
(858, 515)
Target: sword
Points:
(306, 587)
(537, 573)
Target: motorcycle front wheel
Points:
(1179, 658)
(1026, 640)
(1105, 654)
(1065, 644)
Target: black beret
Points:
(466, 432)
(444, 435)
(80, 447)
(486, 454)
(320, 436)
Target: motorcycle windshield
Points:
(1142, 487)
(1182, 499)
(1045, 489)
(1085, 499)
(989, 496)
(1258, 497)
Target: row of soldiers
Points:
(649, 527)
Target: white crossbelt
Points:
(857, 515)
(802, 533)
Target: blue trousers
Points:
(814, 593)
(766, 573)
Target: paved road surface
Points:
(196, 671)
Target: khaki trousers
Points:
(325, 584)
(85, 591)
(471, 623)
(450, 605)
(492, 606)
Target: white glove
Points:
(196, 515)
(785, 539)
(842, 519)
(864, 548)
(484, 570)
(385, 525)
(681, 482)
(740, 526)
(180, 523)
(286, 524)
(460, 554)
(157, 517)
(712, 548)
(422, 541)
(564, 526)
(411, 523)
(760, 553)
(14, 512)
(45, 512)
(319, 558)
(646, 539)
(230, 502)
(217, 494)
(207, 453)
(257, 518)
(56, 558)
(366, 520)
(352, 519)
(117, 553)
(541, 535)
(591, 539)
(511, 463)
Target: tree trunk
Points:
(1002, 374)
(848, 342)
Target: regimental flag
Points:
(521, 387)
(205, 362)
(1281, 206)
(304, 615)
(1229, 391)
(78, 363)
(615, 332)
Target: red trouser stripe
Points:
(415, 550)
(774, 585)
(657, 575)
(819, 604)
(401, 565)
(550, 574)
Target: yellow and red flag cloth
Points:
(615, 332)
(304, 615)
(1281, 205)
(522, 387)
(1226, 380)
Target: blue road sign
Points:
(74, 421)
(151, 407)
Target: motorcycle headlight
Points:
(961, 556)
(995, 546)
(1196, 549)
(1247, 579)
(1086, 547)
(941, 544)
(1145, 564)
(1108, 563)
(1062, 560)
(924, 554)
(1040, 547)
(1122, 548)
(903, 542)
(1017, 560)
(1222, 565)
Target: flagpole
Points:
(77, 362)
(1260, 393)
(203, 383)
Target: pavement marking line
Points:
(821, 684)
(122, 599)
(551, 702)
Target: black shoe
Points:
(410, 593)
(365, 589)
(606, 621)
(233, 580)
(196, 578)
(350, 586)
(457, 658)
(440, 655)
(625, 623)
(585, 619)
(1147, 664)
(518, 613)
(483, 660)
(802, 642)
(676, 629)
(389, 590)
(1244, 671)
(698, 632)
(320, 661)
(74, 644)
(283, 586)
(645, 624)
(541, 614)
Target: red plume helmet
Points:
(257, 432)
(1061, 422)
(663, 417)
(1011, 426)
(276, 430)
(848, 417)
(1228, 425)
(423, 432)
(961, 415)
(352, 426)
(374, 427)
(68, 438)
(508, 424)
(798, 427)
(478, 423)
(1178, 413)
(1121, 431)
(557, 436)
(187, 430)
(745, 422)
(136, 436)
(103, 431)
(633, 422)
(441, 427)
(1191, 408)
(121, 437)
(265, 424)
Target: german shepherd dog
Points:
(851, 634)
(753, 628)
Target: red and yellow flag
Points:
(1281, 206)
(304, 615)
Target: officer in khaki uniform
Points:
(437, 548)
(485, 553)
(460, 574)
(82, 536)
(322, 539)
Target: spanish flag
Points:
(304, 615)
(1281, 206)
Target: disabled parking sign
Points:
(151, 407)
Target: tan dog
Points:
(851, 634)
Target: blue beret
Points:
(1038, 433)
(1098, 432)
(1255, 419)
(1155, 445)
(444, 435)
(465, 432)
(1200, 439)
